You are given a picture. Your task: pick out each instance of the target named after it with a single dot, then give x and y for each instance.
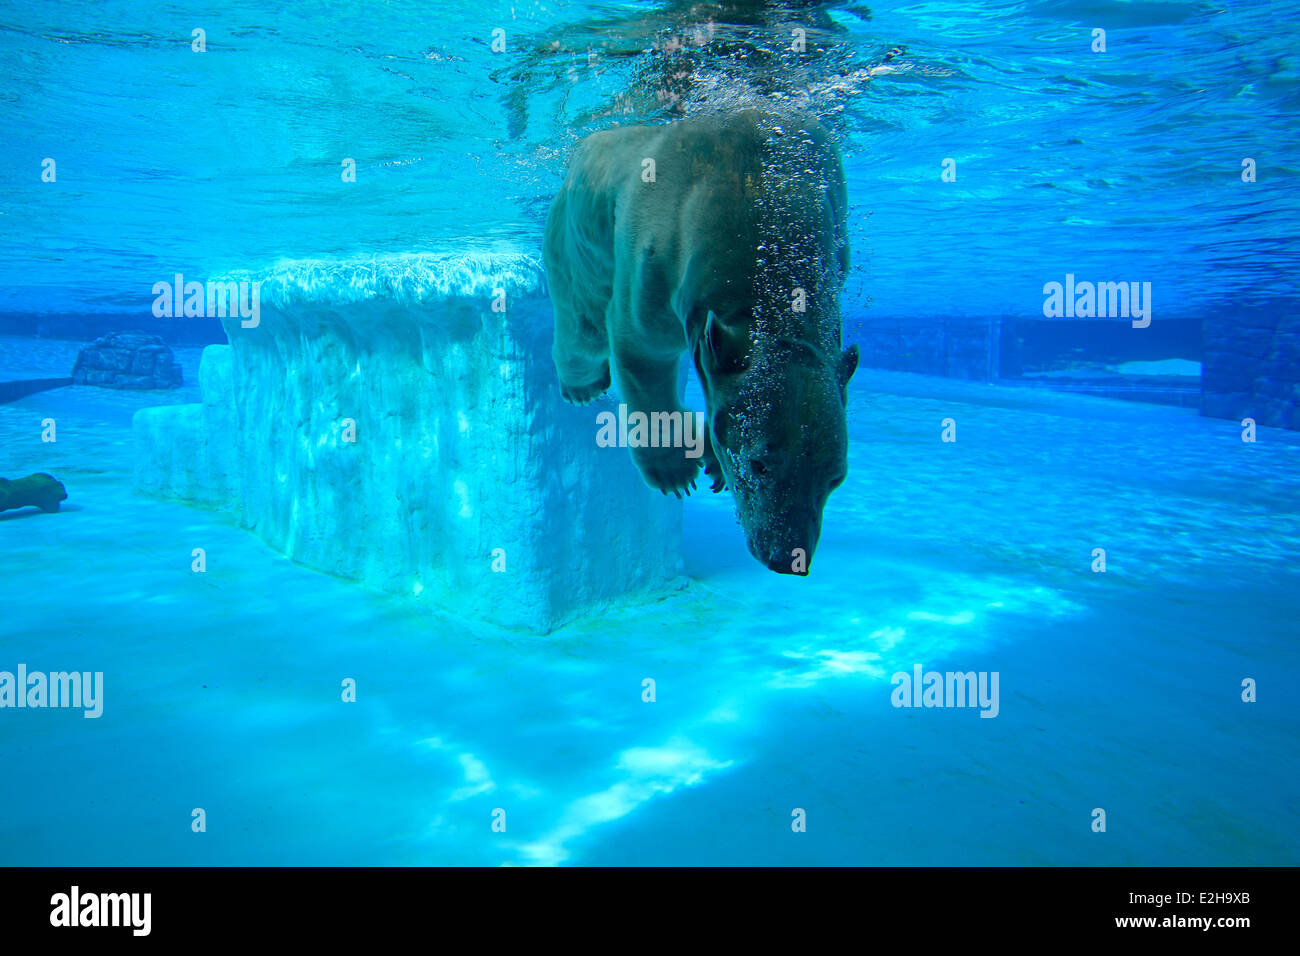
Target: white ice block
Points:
(465, 456)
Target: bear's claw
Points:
(713, 471)
(586, 394)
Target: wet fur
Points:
(743, 209)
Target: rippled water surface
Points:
(1124, 164)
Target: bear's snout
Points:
(783, 563)
(789, 550)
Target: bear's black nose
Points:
(782, 563)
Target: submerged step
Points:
(398, 422)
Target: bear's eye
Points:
(757, 467)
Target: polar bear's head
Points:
(779, 432)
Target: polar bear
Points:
(723, 236)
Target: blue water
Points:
(1122, 163)
(1120, 690)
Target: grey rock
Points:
(129, 360)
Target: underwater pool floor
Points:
(1118, 690)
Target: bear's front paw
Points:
(586, 394)
(713, 470)
(667, 469)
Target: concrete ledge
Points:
(382, 422)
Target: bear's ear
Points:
(725, 348)
(848, 364)
(719, 427)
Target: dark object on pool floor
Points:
(135, 360)
(40, 490)
(12, 391)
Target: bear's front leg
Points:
(712, 469)
(650, 387)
